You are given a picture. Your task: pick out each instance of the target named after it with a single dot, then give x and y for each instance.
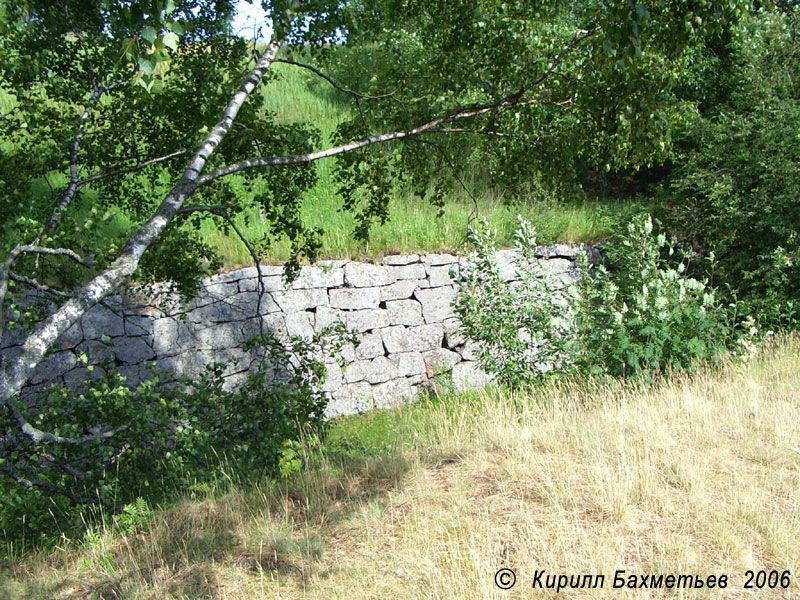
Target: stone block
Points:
(402, 289)
(334, 378)
(53, 366)
(367, 320)
(412, 339)
(300, 323)
(218, 336)
(440, 360)
(274, 283)
(96, 351)
(377, 370)
(355, 299)
(246, 273)
(392, 393)
(469, 375)
(79, 375)
(71, 337)
(370, 346)
(409, 363)
(99, 321)
(297, 300)
(453, 336)
(365, 275)
(170, 336)
(136, 325)
(133, 350)
(440, 276)
(327, 316)
(506, 262)
(556, 266)
(316, 277)
(401, 259)
(404, 312)
(350, 399)
(412, 271)
(439, 259)
(436, 303)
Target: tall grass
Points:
(413, 225)
(696, 475)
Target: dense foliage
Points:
(165, 438)
(638, 314)
(734, 185)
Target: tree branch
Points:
(327, 78)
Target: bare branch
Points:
(327, 78)
(123, 170)
(36, 285)
(55, 252)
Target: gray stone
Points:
(412, 339)
(246, 273)
(404, 312)
(413, 271)
(409, 363)
(300, 323)
(327, 316)
(440, 276)
(53, 366)
(366, 320)
(170, 336)
(402, 289)
(436, 303)
(333, 379)
(349, 399)
(135, 325)
(354, 299)
(439, 360)
(297, 300)
(96, 351)
(316, 277)
(217, 312)
(469, 375)
(273, 323)
(370, 346)
(270, 284)
(332, 263)
(401, 259)
(453, 336)
(99, 321)
(71, 337)
(219, 336)
(469, 351)
(556, 266)
(506, 262)
(366, 275)
(79, 375)
(377, 370)
(392, 393)
(440, 259)
(133, 350)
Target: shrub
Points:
(165, 438)
(520, 328)
(643, 314)
(640, 316)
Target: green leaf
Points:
(149, 34)
(170, 40)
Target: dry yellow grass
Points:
(697, 476)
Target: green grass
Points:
(695, 474)
(414, 225)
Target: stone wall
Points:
(400, 310)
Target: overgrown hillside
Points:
(698, 475)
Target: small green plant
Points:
(521, 328)
(643, 314)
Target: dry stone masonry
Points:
(399, 309)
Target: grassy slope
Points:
(413, 225)
(698, 475)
